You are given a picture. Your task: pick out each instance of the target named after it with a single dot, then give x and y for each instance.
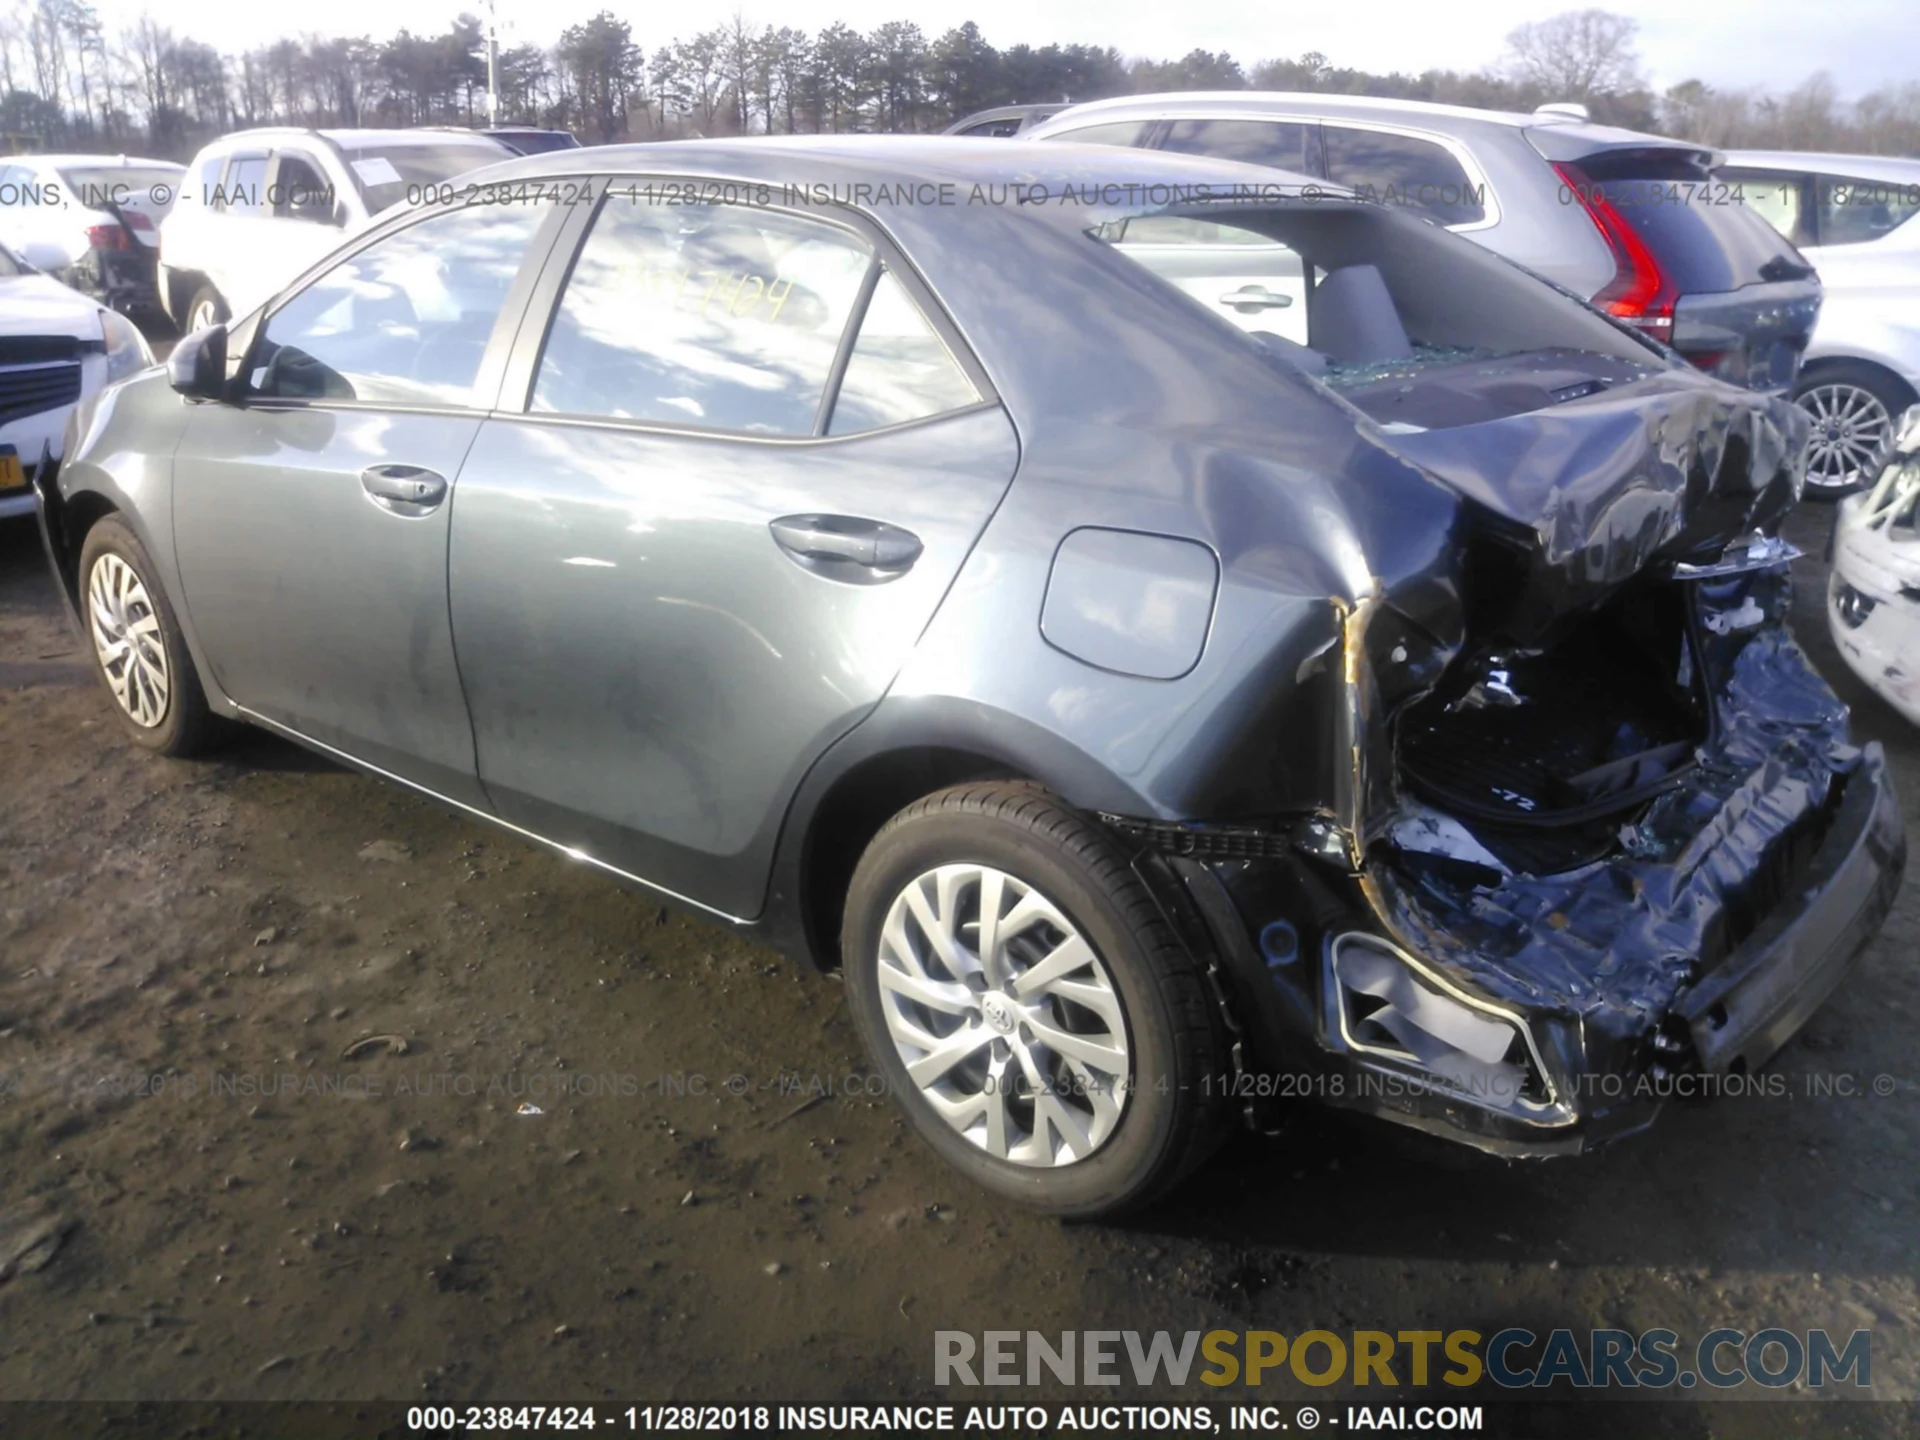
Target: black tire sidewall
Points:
(112, 536)
(1135, 1157)
(206, 292)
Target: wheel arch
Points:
(1816, 364)
(907, 749)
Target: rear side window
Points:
(998, 129)
(899, 369)
(1279, 144)
(1120, 132)
(1422, 175)
(245, 188)
(405, 321)
(1852, 212)
(724, 317)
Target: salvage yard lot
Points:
(699, 1211)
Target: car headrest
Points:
(1351, 317)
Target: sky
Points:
(1733, 44)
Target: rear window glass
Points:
(1852, 212)
(1352, 293)
(384, 172)
(1276, 143)
(121, 183)
(1704, 238)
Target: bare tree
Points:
(1577, 55)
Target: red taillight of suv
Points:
(107, 237)
(1640, 292)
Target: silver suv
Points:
(1635, 223)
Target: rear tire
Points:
(139, 651)
(1134, 1101)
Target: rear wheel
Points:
(205, 310)
(1035, 1019)
(138, 649)
(1855, 408)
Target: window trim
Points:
(493, 361)
(1475, 174)
(523, 364)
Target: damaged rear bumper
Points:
(1586, 1064)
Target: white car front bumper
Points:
(45, 431)
(1873, 603)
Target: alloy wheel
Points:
(127, 638)
(1851, 435)
(1004, 1016)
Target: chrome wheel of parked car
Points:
(1852, 430)
(137, 644)
(1003, 1015)
(126, 637)
(1018, 988)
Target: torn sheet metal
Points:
(1591, 493)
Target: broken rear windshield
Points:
(1357, 296)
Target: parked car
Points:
(1003, 121)
(1150, 717)
(260, 206)
(1635, 223)
(101, 213)
(1873, 593)
(57, 346)
(1852, 217)
(523, 140)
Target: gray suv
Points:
(1381, 698)
(1635, 223)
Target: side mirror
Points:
(198, 365)
(44, 255)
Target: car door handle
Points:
(1252, 299)
(404, 489)
(844, 547)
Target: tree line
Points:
(66, 84)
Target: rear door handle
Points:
(846, 547)
(404, 489)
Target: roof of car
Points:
(355, 139)
(98, 162)
(912, 162)
(1865, 167)
(1256, 102)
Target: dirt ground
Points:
(394, 1223)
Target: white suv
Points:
(1853, 216)
(259, 207)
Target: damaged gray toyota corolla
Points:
(1175, 646)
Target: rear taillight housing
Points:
(1640, 292)
(134, 220)
(107, 237)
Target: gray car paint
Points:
(1341, 555)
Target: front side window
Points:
(1422, 175)
(301, 192)
(1278, 144)
(899, 369)
(724, 317)
(1852, 212)
(405, 321)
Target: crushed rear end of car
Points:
(1592, 834)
